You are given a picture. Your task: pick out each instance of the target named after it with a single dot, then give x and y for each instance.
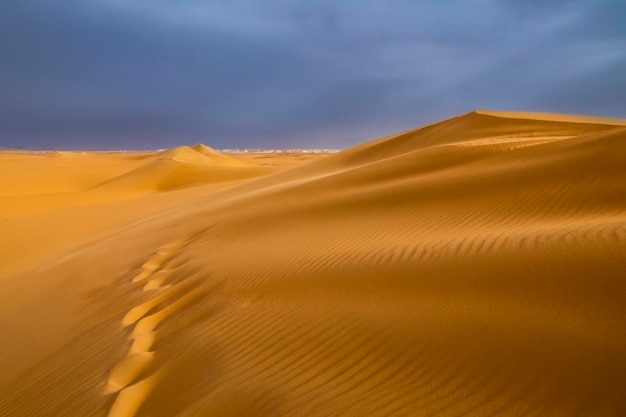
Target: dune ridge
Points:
(472, 267)
(554, 117)
(200, 154)
(180, 167)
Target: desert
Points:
(474, 266)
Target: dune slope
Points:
(471, 267)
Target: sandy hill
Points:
(477, 143)
(181, 167)
(40, 192)
(200, 154)
(479, 128)
(471, 267)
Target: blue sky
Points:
(277, 73)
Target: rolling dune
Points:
(472, 267)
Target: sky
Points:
(151, 74)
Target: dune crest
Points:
(553, 117)
(181, 167)
(200, 154)
(471, 267)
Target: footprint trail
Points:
(128, 379)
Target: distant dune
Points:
(200, 154)
(472, 267)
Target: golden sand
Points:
(473, 267)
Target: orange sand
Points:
(473, 267)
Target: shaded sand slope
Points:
(472, 267)
(30, 174)
(51, 199)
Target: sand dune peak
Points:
(199, 154)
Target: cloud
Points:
(156, 73)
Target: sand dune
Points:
(472, 267)
(201, 154)
(183, 167)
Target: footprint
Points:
(142, 343)
(172, 247)
(156, 261)
(130, 399)
(158, 279)
(143, 275)
(127, 371)
(141, 310)
(148, 324)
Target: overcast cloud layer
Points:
(294, 73)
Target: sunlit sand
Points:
(472, 267)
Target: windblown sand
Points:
(473, 267)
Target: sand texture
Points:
(473, 267)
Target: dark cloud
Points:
(157, 73)
(596, 92)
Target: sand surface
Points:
(473, 267)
